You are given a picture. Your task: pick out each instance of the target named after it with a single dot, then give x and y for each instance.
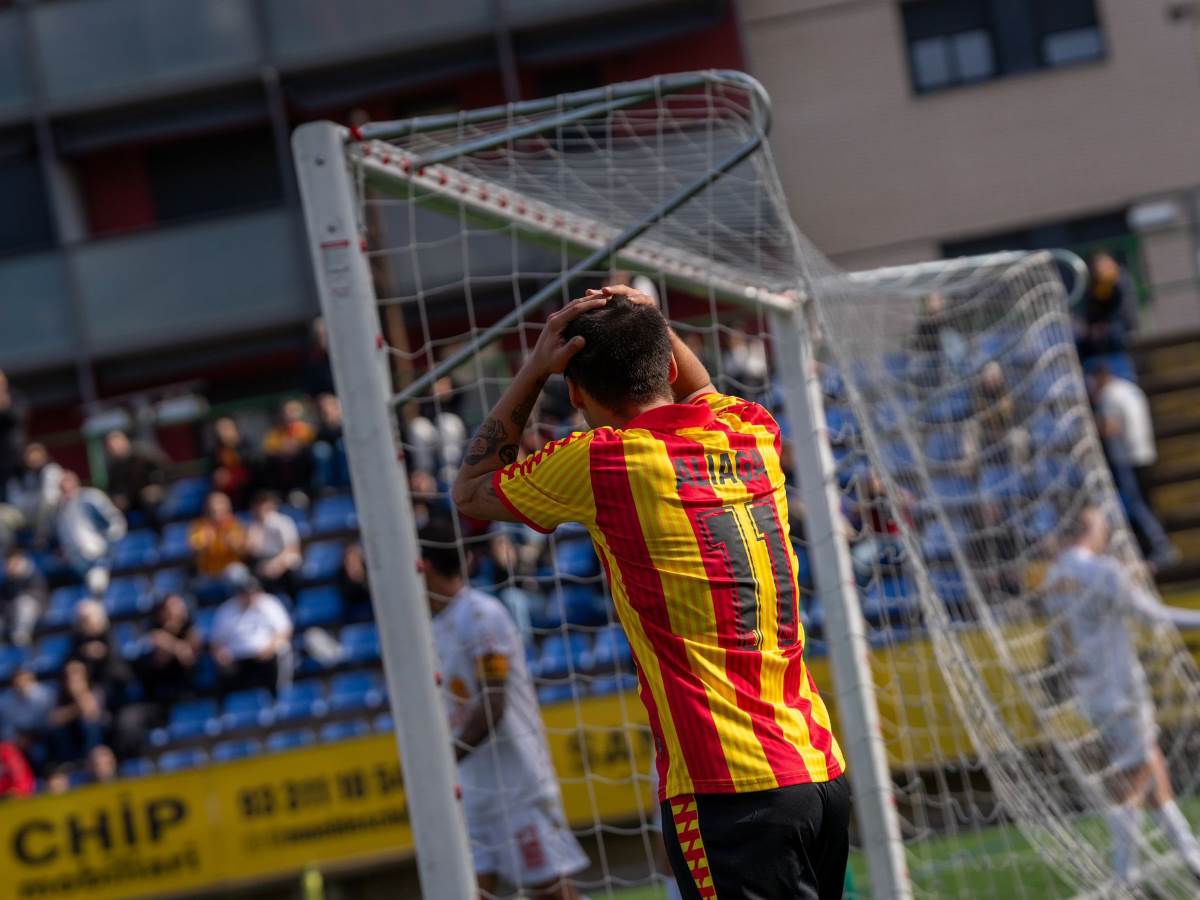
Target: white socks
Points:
(1125, 822)
(1171, 820)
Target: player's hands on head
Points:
(552, 351)
(634, 296)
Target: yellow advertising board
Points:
(275, 814)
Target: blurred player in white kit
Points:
(510, 792)
(1091, 600)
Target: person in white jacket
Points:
(88, 524)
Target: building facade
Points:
(149, 228)
(912, 129)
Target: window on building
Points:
(211, 174)
(959, 42)
(1068, 32)
(25, 219)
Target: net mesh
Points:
(959, 423)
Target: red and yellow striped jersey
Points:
(687, 508)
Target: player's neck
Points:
(620, 420)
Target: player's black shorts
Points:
(785, 844)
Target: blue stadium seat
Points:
(290, 740)
(188, 720)
(178, 760)
(128, 597)
(833, 385)
(896, 365)
(383, 722)
(887, 599)
(954, 407)
(60, 611)
(321, 561)
(850, 466)
(944, 446)
(227, 751)
(136, 767)
(303, 700)
(332, 515)
(50, 654)
(563, 654)
(614, 684)
(185, 499)
(1001, 483)
(953, 489)
(936, 543)
(174, 546)
(206, 677)
(576, 558)
(582, 604)
(355, 690)
(127, 640)
(299, 517)
(555, 693)
(318, 607)
(1040, 522)
(137, 550)
(1120, 364)
(203, 620)
(360, 643)
(804, 572)
(1053, 473)
(168, 581)
(340, 731)
(611, 650)
(247, 709)
(842, 425)
(10, 658)
(947, 583)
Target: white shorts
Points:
(1129, 737)
(529, 847)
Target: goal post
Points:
(360, 368)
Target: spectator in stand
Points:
(331, 468)
(32, 495)
(251, 636)
(137, 476)
(165, 668)
(22, 598)
(58, 781)
(438, 435)
(273, 546)
(875, 536)
(1123, 418)
(233, 462)
(218, 539)
(352, 578)
(101, 765)
(16, 777)
(25, 709)
(318, 372)
(79, 719)
(941, 347)
(993, 436)
(170, 650)
(1108, 315)
(93, 645)
(88, 524)
(13, 413)
(745, 361)
(288, 448)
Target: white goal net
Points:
(962, 446)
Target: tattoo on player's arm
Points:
(524, 408)
(491, 440)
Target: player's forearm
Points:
(480, 722)
(496, 441)
(693, 378)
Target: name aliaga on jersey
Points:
(474, 638)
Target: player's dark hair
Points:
(439, 547)
(626, 357)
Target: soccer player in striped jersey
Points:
(682, 492)
(1092, 601)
